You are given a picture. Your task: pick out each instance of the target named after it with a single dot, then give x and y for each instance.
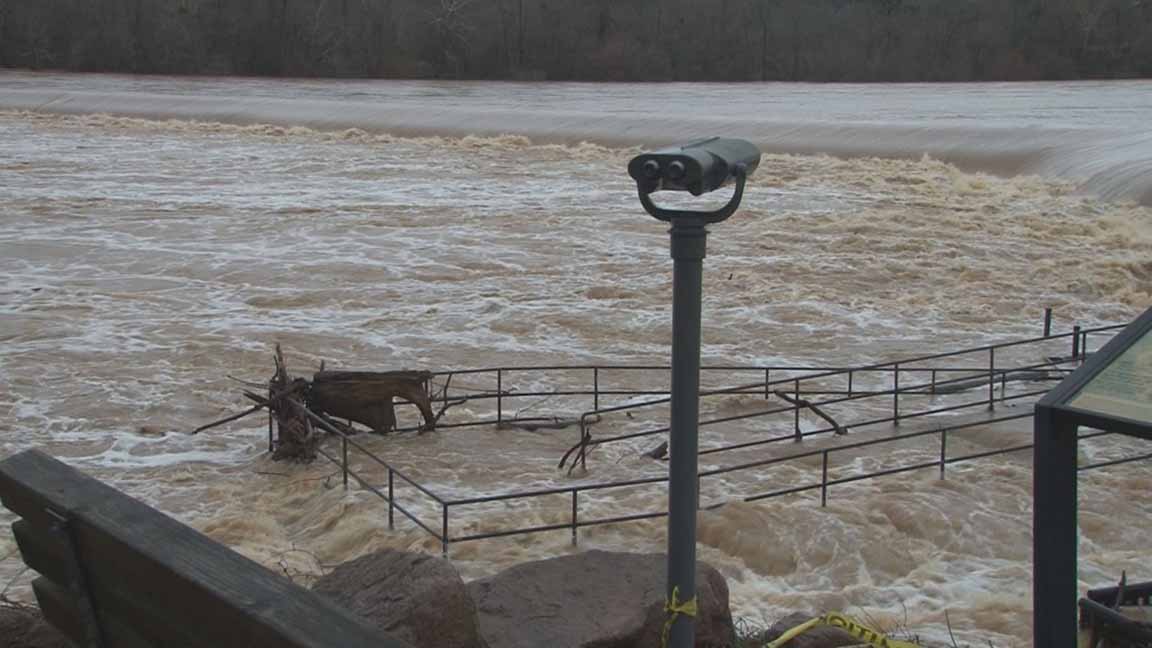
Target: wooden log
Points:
(367, 397)
(229, 419)
(800, 402)
(154, 572)
(296, 439)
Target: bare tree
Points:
(857, 40)
(453, 31)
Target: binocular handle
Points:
(722, 214)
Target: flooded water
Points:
(150, 254)
(1094, 134)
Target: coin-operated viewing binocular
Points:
(697, 168)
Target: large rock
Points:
(593, 600)
(24, 627)
(413, 597)
(821, 636)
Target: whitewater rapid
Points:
(1094, 134)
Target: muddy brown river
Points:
(159, 235)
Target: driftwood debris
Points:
(365, 397)
(800, 402)
(659, 452)
(297, 438)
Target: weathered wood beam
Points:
(142, 565)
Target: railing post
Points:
(824, 480)
(933, 382)
(499, 395)
(896, 394)
(78, 585)
(344, 451)
(943, 451)
(851, 375)
(1075, 342)
(1048, 322)
(992, 378)
(444, 532)
(796, 409)
(391, 505)
(767, 382)
(574, 518)
(596, 388)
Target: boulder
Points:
(821, 636)
(595, 599)
(412, 597)
(23, 627)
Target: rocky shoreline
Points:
(594, 599)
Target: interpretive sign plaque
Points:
(1123, 387)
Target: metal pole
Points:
(943, 451)
(1048, 322)
(689, 242)
(444, 533)
(896, 394)
(992, 379)
(1054, 580)
(824, 480)
(499, 395)
(1075, 342)
(596, 389)
(574, 518)
(391, 506)
(796, 410)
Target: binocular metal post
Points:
(689, 236)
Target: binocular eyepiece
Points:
(698, 168)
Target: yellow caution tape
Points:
(675, 608)
(858, 630)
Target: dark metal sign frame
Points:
(1055, 578)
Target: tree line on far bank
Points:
(642, 40)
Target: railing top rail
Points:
(862, 444)
(754, 367)
(827, 373)
(728, 469)
(916, 388)
(323, 422)
(559, 490)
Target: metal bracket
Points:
(706, 218)
(93, 631)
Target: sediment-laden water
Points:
(145, 261)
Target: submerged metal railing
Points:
(994, 376)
